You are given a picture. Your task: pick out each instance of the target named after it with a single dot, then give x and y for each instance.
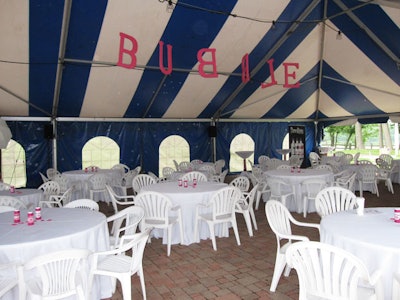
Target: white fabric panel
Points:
(393, 13)
(110, 89)
(14, 37)
(232, 42)
(253, 107)
(307, 108)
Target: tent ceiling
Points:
(60, 59)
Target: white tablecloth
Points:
(60, 229)
(187, 198)
(372, 237)
(30, 197)
(295, 179)
(82, 177)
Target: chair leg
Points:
(246, 216)
(258, 198)
(212, 235)
(236, 231)
(280, 264)
(253, 217)
(169, 237)
(142, 283)
(305, 206)
(126, 286)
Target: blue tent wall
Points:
(139, 142)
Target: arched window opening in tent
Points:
(13, 167)
(241, 142)
(100, 151)
(173, 147)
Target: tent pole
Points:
(54, 144)
(213, 145)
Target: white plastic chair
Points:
(329, 272)
(49, 188)
(333, 199)
(167, 173)
(59, 275)
(280, 219)
(241, 182)
(263, 188)
(311, 187)
(8, 281)
(219, 165)
(118, 264)
(140, 181)
(314, 158)
(386, 176)
(126, 181)
(83, 203)
(160, 213)
(185, 166)
(12, 201)
(57, 200)
(4, 186)
(367, 175)
(118, 199)
(347, 181)
(209, 170)
(131, 217)
(280, 190)
(324, 167)
(262, 159)
(62, 181)
(245, 207)
(51, 172)
(97, 185)
(199, 176)
(220, 177)
(124, 168)
(356, 157)
(222, 205)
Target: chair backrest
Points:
(273, 163)
(98, 181)
(50, 188)
(140, 181)
(194, 174)
(167, 172)
(176, 165)
(334, 199)
(314, 159)
(124, 168)
(209, 169)
(324, 167)
(4, 186)
(262, 159)
(283, 167)
(367, 173)
(313, 186)
(12, 201)
(67, 196)
(62, 181)
(278, 187)
(364, 162)
(156, 206)
(241, 182)
(130, 218)
(5, 208)
(185, 166)
(326, 271)
(196, 163)
(51, 172)
(58, 272)
(223, 202)
(83, 203)
(347, 158)
(219, 165)
(339, 153)
(388, 158)
(278, 217)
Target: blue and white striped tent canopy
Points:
(68, 59)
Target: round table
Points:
(30, 197)
(188, 199)
(372, 237)
(295, 179)
(60, 228)
(81, 177)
